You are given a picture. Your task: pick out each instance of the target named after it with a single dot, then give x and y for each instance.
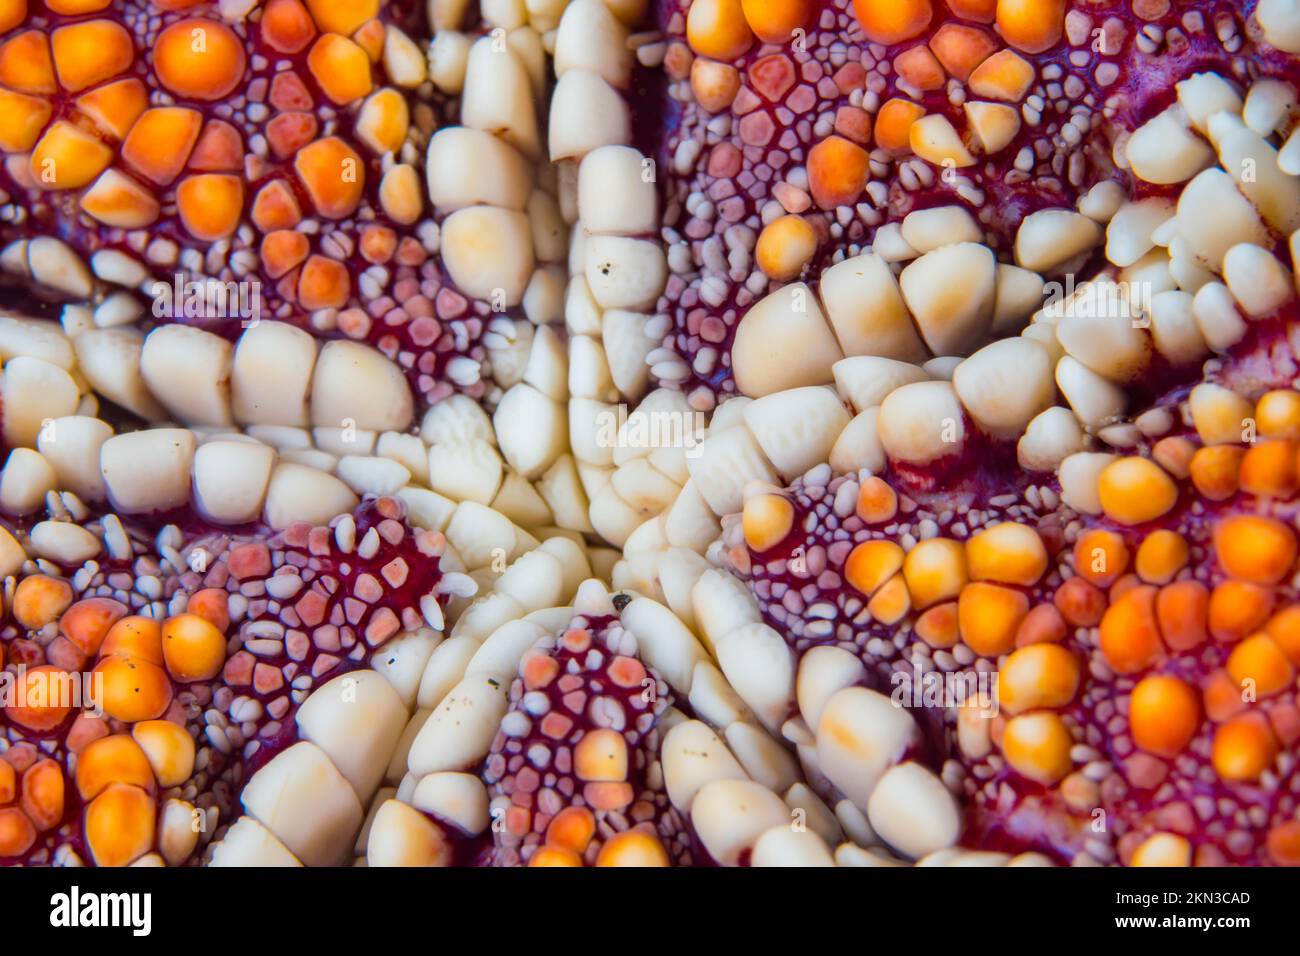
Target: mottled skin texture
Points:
(1117, 794)
(328, 631)
(361, 272)
(588, 681)
(1149, 46)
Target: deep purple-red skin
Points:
(425, 574)
(425, 374)
(1146, 84)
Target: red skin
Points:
(328, 637)
(417, 317)
(1142, 793)
(739, 178)
(639, 694)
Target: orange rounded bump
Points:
(199, 59)
(212, 605)
(67, 157)
(1259, 662)
(1130, 637)
(714, 84)
(219, 150)
(42, 698)
(838, 171)
(1216, 471)
(1277, 414)
(1161, 555)
(1037, 746)
(1081, 604)
(114, 107)
(872, 563)
(74, 8)
(384, 121)
(133, 689)
(286, 26)
(8, 783)
(1135, 490)
(1255, 548)
(1174, 454)
(1037, 676)
(110, 760)
(12, 13)
(43, 797)
(1031, 25)
(981, 11)
(90, 52)
(1008, 552)
(892, 21)
(774, 21)
(378, 244)
(1100, 557)
(877, 502)
(1284, 628)
(135, 636)
(601, 755)
(1182, 611)
(785, 246)
(962, 48)
(283, 250)
(938, 626)
(919, 68)
(1222, 697)
(1004, 76)
(892, 602)
(160, 142)
(275, 207)
(1237, 609)
(210, 205)
(169, 749)
(17, 835)
(39, 600)
(87, 622)
(1244, 747)
(1164, 714)
(717, 29)
(1268, 469)
(323, 284)
(1163, 849)
(766, 521)
(21, 120)
(894, 124)
(334, 176)
(193, 648)
(571, 829)
(608, 795)
(577, 639)
(119, 825)
(555, 856)
(935, 570)
(26, 65)
(370, 37)
(989, 617)
(633, 848)
(341, 68)
(1283, 843)
(87, 727)
(342, 16)
(1044, 624)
